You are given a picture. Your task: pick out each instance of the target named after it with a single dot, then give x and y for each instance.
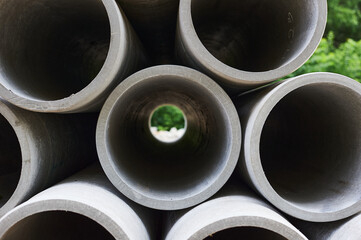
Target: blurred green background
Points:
(167, 117)
(340, 49)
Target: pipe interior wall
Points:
(52, 49)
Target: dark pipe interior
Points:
(57, 225)
(250, 233)
(10, 161)
(155, 167)
(311, 147)
(254, 35)
(52, 49)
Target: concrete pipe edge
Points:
(195, 94)
(124, 56)
(192, 52)
(335, 102)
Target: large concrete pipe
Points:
(37, 150)
(302, 145)
(347, 229)
(244, 44)
(83, 207)
(155, 23)
(163, 175)
(232, 216)
(64, 55)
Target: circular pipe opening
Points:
(255, 36)
(10, 161)
(168, 175)
(245, 233)
(310, 147)
(52, 49)
(168, 123)
(57, 225)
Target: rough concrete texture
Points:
(64, 56)
(244, 44)
(83, 207)
(302, 145)
(232, 216)
(162, 175)
(37, 150)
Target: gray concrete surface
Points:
(64, 56)
(162, 175)
(245, 44)
(302, 145)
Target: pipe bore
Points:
(62, 56)
(248, 43)
(231, 217)
(85, 206)
(164, 175)
(10, 161)
(305, 152)
(57, 225)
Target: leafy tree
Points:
(167, 117)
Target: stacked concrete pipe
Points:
(232, 214)
(302, 141)
(37, 150)
(83, 207)
(64, 56)
(160, 175)
(245, 44)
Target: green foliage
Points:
(344, 59)
(167, 117)
(344, 19)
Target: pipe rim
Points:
(109, 166)
(85, 98)
(252, 151)
(246, 212)
(27, 166)
(235, 77)
(60, 205)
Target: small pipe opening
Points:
(245, 233)
(254, 35)
(52, 49)
(10, 161)
(310, 147)
(168, 123)
(57, 225)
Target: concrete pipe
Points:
(84, 207)
(64, 55)
(347, 229)
(162, 175)
(155, 23)
(245, 44)
(302, 141)
(232, 217)
(37, 150)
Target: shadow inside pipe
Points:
(245, 233)
(169, 170)
(310, 147)
(52, 49)
(10, 161)
(57, 225)
(254, 35)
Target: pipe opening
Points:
(310, 147)
(168, 123)
(52, 49)
(245, 233)
(57, 225)
(255, 35)
(168, 171)
(10, 161)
